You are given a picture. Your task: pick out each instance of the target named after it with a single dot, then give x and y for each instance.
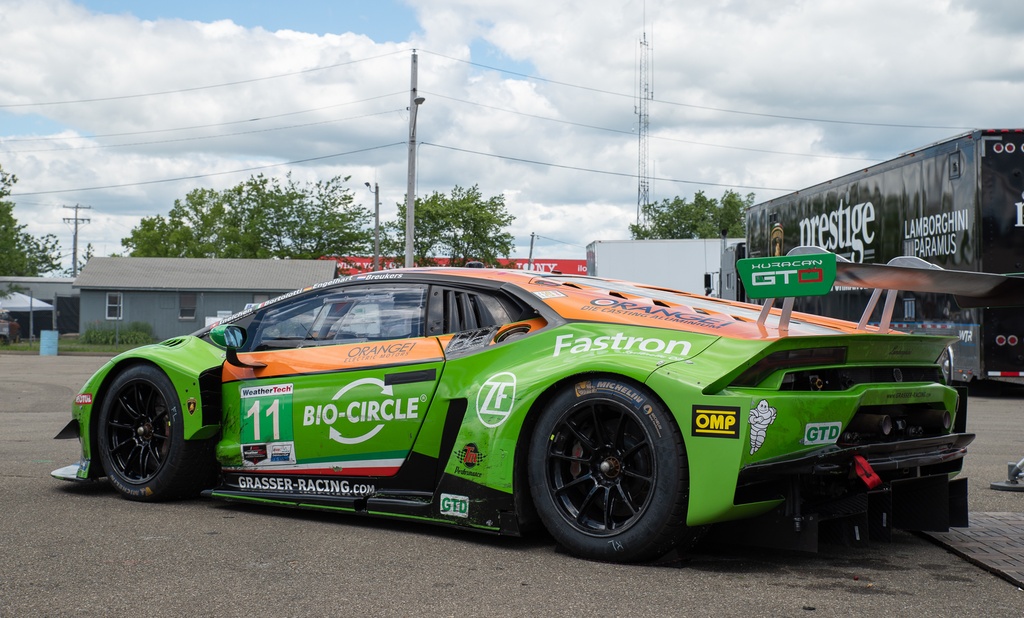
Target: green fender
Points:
(183, 359)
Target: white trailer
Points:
(680, 264)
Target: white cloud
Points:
(917, 63)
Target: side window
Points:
(348, 315)
(456, 311)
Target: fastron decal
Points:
(620, 342)
(496, 398)
(760, 418)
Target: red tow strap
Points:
(865, 472)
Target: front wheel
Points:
(608, 473)
(141, 441)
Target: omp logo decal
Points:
(822, 433)
(496, 399)
(716, 421)
(374, 410)
(456, 506)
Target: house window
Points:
(113, 305)
(187, 306)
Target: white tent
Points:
(16, 301)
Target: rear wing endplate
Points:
(812, 271)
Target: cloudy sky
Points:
(125, 106)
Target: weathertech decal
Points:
(716, 421)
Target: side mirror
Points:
(228, 335)
(231, 337)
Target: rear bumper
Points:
(883, 457)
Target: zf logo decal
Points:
(716, 421)
(496, 399)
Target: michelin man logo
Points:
(760, 417)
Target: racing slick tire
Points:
(141, 441)
(608, 473)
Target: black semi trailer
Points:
(958, 203)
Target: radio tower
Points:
(644, 95)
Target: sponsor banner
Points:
(781, 277)
(469, 457)
(343, 488)
(272, 454)
(622, 343)
(715, 421)
(675, 315)
(822, 433)
(454, 505)
(496, 399)
(354, 265)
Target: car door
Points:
(346, 380)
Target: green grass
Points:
(66, 346)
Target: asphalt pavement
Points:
(81, 550)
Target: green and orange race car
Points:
(625, 419)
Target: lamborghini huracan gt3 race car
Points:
(625, 419)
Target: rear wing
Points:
(812, 271)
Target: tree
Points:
(461, 227)
(259, 218)
(703, 218)
(21, 254)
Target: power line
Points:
(198, 126)
(605, 172)
(210, 175)
(203, 137)
(653, 137)
(703, 107)
(198, 88)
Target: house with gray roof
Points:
(178, 296)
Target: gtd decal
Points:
(496, 399)
(716, 421)
(375, 410)
(456, 506)
(822, 433)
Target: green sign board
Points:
(779, 277)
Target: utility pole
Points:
(410, 194)
(645, 93)
(74, 243)
(529, 262)
(376, 224)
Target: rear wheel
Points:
(608, 473)
(141, 442)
